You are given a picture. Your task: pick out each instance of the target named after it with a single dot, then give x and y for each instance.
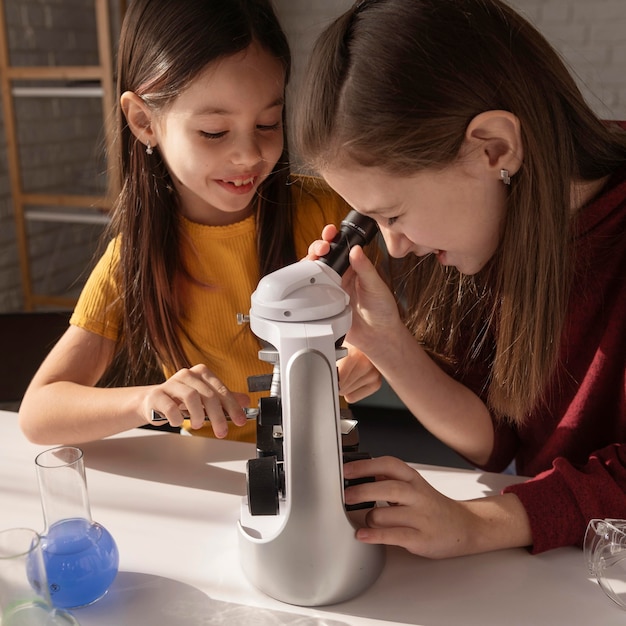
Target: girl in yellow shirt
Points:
(207, 207)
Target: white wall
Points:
(590, 35)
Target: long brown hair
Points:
(394, 84)
(164, 45)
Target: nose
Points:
(245, 150)
(397, 244)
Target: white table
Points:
(172, 504)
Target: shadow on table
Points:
(137, 599)
(509, 587)
(196, 462)
(171, 459)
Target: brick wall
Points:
(62, 142)
(61, 147)
(590, 35)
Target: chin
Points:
(470, 269)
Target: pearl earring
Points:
(504, 176)
(149, 149)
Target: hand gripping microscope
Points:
(296, 539)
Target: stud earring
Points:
(504, 176)
(149, 149)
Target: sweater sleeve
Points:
(561, 501)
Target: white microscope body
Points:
(297, 541)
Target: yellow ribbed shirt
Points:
(224, 257)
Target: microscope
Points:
(297, 538)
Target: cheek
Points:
(177, 166)
(272, 150)
(187, 168)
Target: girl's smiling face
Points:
(223, 135)
(455, 213)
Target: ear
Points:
(139, 117)
(497, 134)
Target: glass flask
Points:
(80, 555)
(605, 552)
(24, 597)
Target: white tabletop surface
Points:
(172, 504)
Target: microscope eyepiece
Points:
(356, 230)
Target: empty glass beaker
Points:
(80, 555)
(24, 597)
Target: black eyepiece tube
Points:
(356, 230)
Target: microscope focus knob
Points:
(265, 482)
(356, 456)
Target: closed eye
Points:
(261, 127)
(391, 221)
(269, 127)
(213, 135)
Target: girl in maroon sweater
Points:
(502, 201)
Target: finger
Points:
(186, 388)
(219, 403)
(362, 392)
(229, 404)
(329, 232)
(407, 538)
(242, 399)
(394, 517)
(385, 466)
(215, 414)
(396, 492)
(366, 274)
(355, 388)
(236, 411)
(317, 249)
(408, 534)
(358, 378)
(162, 404)
(192, 407)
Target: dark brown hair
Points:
(164, 45)
(394, 84)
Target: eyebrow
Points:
(211, 110)
(380, 211)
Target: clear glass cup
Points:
(80, 555)
(605, 554)
(24, 597)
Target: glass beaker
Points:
(80, 555)
(24, 597)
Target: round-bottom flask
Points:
(80, 556)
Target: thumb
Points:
(365, 272)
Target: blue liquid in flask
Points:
(81, 560)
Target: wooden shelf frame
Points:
(101, 74)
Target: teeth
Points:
(240, 182)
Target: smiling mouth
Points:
(240, 182)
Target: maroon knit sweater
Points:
(575, 446)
